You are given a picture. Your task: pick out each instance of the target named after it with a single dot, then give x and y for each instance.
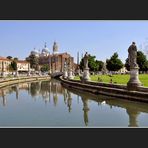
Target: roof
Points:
(22, 61)
(4, 59)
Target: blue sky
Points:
(99, 38)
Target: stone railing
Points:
(9, 81)
(114, 90)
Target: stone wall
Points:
(11, 81)
(108, 89)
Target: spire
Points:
(78, 58)
(45, 45)
(55, 48)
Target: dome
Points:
(35, 52)
(45, 49)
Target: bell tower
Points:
(55, 48)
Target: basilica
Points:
(54, 59)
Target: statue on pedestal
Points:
(86, 56)
(134, 81)
(86, 68)
(132, 50)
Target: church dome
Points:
(35, 52)
(45, 49)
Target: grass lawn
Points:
(119, 79)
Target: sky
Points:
(101, 38)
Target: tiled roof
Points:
(22, 61)
(4, 59)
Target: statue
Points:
(132, 50)
(134, 81)
(86, 68)
(86, 56)
(65, 63)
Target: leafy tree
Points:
(100, 63)
(13, 65)
(127, 65)
(114, 63)
(16, 59)
(9, 57)
(34, 61)
(93, 64)
(45, 68)
(142, 61)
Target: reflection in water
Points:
(65, 96)
(133, 114)
(133, 109)
(51, 90)
(85, 109)
(69, 101)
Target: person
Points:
(132, 50)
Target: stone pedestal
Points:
(28, 74)
(65, 74)
(70, 76)
(134, 81)
(78, 72)
(49, 71)
(16, 74)
(3, 74)
(86, 74)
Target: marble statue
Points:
(86, 56)
(132, 50)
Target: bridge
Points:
(56, 74)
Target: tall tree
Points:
(142, 61)
(100, 63)
(34, 61)
(114, 63)
(13, 65)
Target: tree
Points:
(45, 68)
(13, 65)
(93, 64)
(114, 63)
(127, 65)
(16, 59)
(100, 63)
(34, 61)
(141, 61)
(9, 57)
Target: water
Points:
(49, 104)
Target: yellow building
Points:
(22, 66)
(4, 66)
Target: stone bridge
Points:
(56, 74)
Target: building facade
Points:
(55, 60)
(4, 66)
(22, 66)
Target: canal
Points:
(49, 104)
